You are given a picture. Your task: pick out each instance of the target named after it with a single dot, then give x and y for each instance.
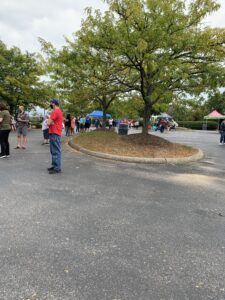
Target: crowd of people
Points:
(74, 124)
(162, 124)
(53, 125)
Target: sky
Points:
(23, 21)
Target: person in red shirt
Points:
(55, 132)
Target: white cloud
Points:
(23, 21)
(217, 18)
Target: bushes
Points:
(198, 125)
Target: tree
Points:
(188, 109)
(85, 77)
(130, 107)
(160, 48)
(20, 78)
(216, 101)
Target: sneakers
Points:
(2, 156)
(54, 171)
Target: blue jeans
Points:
(55, 149)
(222, 136)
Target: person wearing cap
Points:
(55, 132)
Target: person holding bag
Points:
(5, 128)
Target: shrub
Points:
(198, 125)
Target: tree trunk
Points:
(104, 118)
(146, 117)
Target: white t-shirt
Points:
(44, 124)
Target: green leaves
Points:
(153, 49)
(20, 78)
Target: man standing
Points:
(110, 123)
(82, 124)
(55, 132)
(222, 133)
(87, 123)
(22, 127)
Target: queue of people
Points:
(76, 124)
(52, 127)
(7, 123)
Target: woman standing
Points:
(45, 130)
(77, 122)
(68, 124)
(5, 128)
(73, 124)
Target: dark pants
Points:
(4, 141)
(55, 149)
(46, 134)
(67, 129)
(222, 136)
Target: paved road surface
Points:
(106, 230)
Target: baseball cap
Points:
(55, 101)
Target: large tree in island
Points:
(160, 48)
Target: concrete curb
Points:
(199, 155)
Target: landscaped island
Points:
(134, 145)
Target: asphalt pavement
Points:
(104, 230)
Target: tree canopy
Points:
(159, 48)
(20, 78)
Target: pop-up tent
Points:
(165, 115)
(214, 115)
(98, 114)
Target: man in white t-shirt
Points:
(110, 123)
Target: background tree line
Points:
(137, 58)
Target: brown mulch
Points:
(134, 145)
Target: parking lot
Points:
(105, 230)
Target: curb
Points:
(199, 155)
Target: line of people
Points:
(7, 124)
(76, 124)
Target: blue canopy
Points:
(98, 114)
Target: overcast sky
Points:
(23, 21)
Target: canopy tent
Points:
(98, 114)
(214, 115)
(165, 115)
